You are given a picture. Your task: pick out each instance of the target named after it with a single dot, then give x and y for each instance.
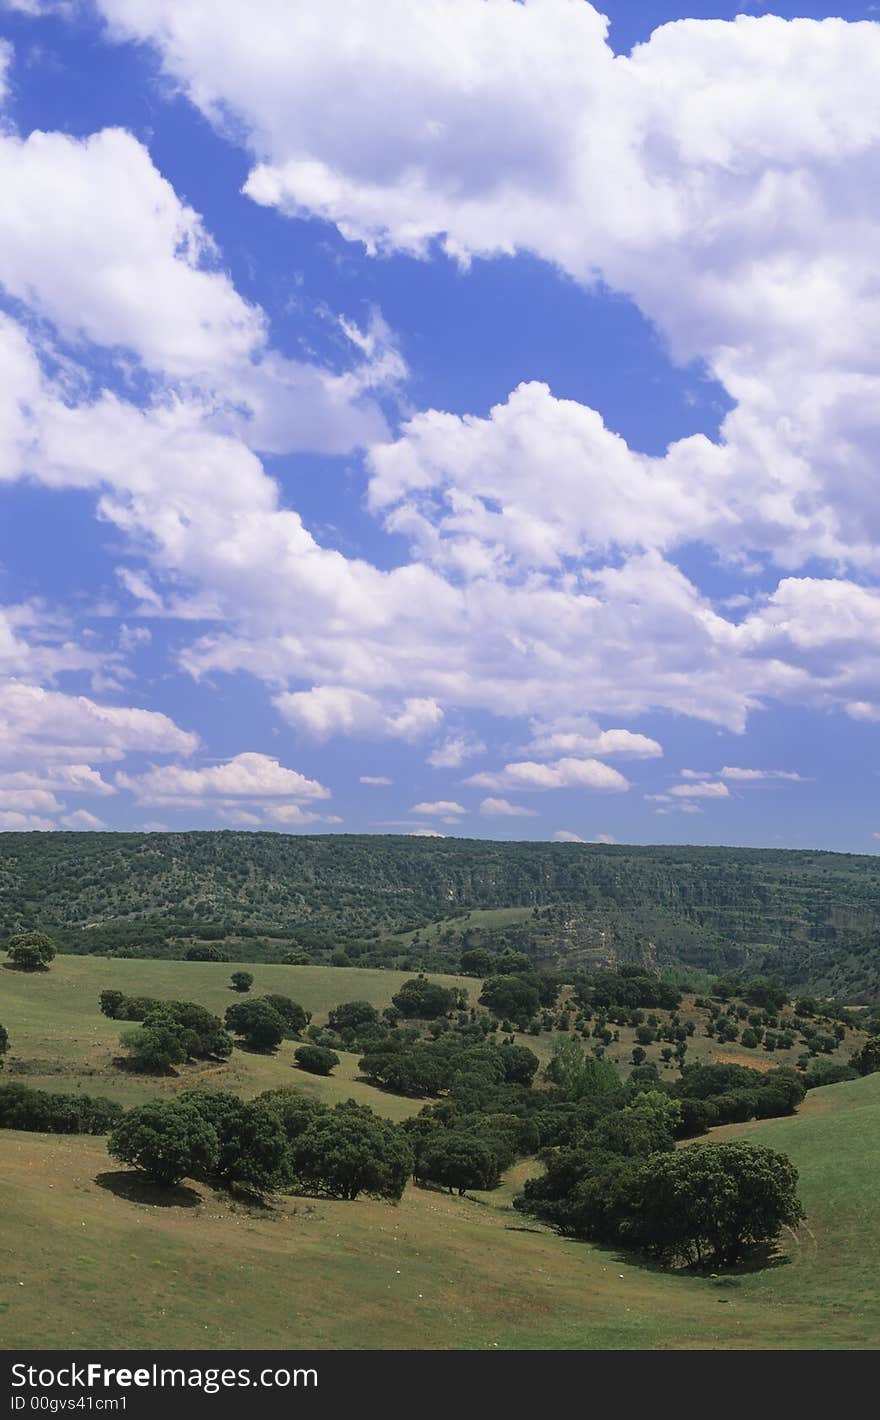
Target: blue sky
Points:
(461, 423)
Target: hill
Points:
(814, 918)
(59, 1040)
(97, 1263)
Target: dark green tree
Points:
(458, 1160)
(520, 1064)
(295, 1110)
(31, 951)
(349, 1151)
(154, 1050)
(256, 1023)
(867, 1060)
(253, 1146)
(352, 1015)
(423, 998)
(166, 1139)
(242, 980)
(477, 962)
(712, 1202)
(294, 1016)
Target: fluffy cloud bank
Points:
(716, 176)
(719, 176)
(248, 790)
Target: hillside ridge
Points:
(813, 916)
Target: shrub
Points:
(242, 980)
(166, 1139)
(317, 1059)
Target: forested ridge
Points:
(813, 917)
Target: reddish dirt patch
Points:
(755, 1062)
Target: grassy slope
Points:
(58, 1034)
(831, 1286)
(56, 1028)
(102, 1270)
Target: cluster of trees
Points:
(49, 1113)
(171, 1032)
(281, 1140)
(707, 1203)
(152, 894)
(458, 1060)
(356, 1025)
(629, 986)
(764, 991)
(713, 1094)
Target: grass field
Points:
(478, 917)
(88, 1267)
(59, 1040)
(96, 1260)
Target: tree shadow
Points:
(757, 1259)
(130, 1067)
(24, 970)
(135, 1187)
(399, 1094)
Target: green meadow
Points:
(95, 1258)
